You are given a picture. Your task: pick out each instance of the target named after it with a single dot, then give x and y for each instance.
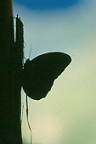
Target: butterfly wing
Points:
(39, 74)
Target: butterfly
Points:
(40, 73)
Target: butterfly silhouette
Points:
(39, 73)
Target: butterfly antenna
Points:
(28, 120)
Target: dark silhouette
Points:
(40, 73)
(37, 77)
(11, 54)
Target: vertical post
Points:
(17, 57)
(6, 44)
(11, 55)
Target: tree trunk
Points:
(11, 55)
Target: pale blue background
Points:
(68, 114)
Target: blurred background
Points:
(68, 114)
